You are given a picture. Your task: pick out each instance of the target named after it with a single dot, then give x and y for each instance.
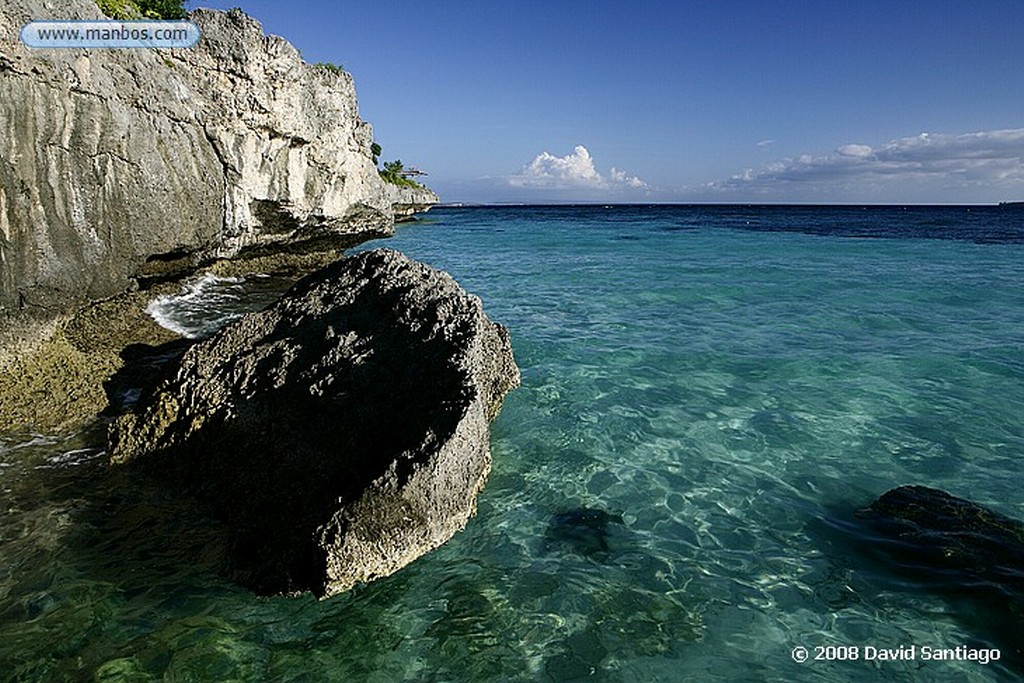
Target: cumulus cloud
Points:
(990, 159)
(618, 177)
(548, 170)
(859, 151)
(574, 171)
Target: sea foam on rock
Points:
(342, 432)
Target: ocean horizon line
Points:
(591, 204)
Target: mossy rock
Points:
(129, 10)
(59, 383)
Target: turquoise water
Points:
(727, 385)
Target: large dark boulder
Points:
(342, 432)
(950, 540)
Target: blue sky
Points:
(731, 101)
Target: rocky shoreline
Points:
(339, 433)
(53, 373)
(121, 174)
(54, 383)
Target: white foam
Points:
(202, 307)
(73, 458)
(36, 440)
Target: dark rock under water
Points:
(937, 534)
(583, 530)
(969, 554)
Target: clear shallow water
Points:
(728, 384)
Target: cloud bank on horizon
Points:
(978, 167)
(574, 171)
(984, 163)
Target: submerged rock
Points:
(584, 531)
(947, 538)
(342, 432)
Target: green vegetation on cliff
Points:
(393, 173)
(143, 9)
(333, 68)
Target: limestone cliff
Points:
(115, 162)
(406, 201)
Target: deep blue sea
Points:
(709, 394)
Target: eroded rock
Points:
(342, 432)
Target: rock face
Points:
(342, 432)
(113, 162)
(950, 538)
(406, 201)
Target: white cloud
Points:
(766, 143)
(620, 178)
(859, 151)
(989, 163)
(574, 171)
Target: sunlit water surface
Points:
(708, 395)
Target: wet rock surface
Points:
(342, 432)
